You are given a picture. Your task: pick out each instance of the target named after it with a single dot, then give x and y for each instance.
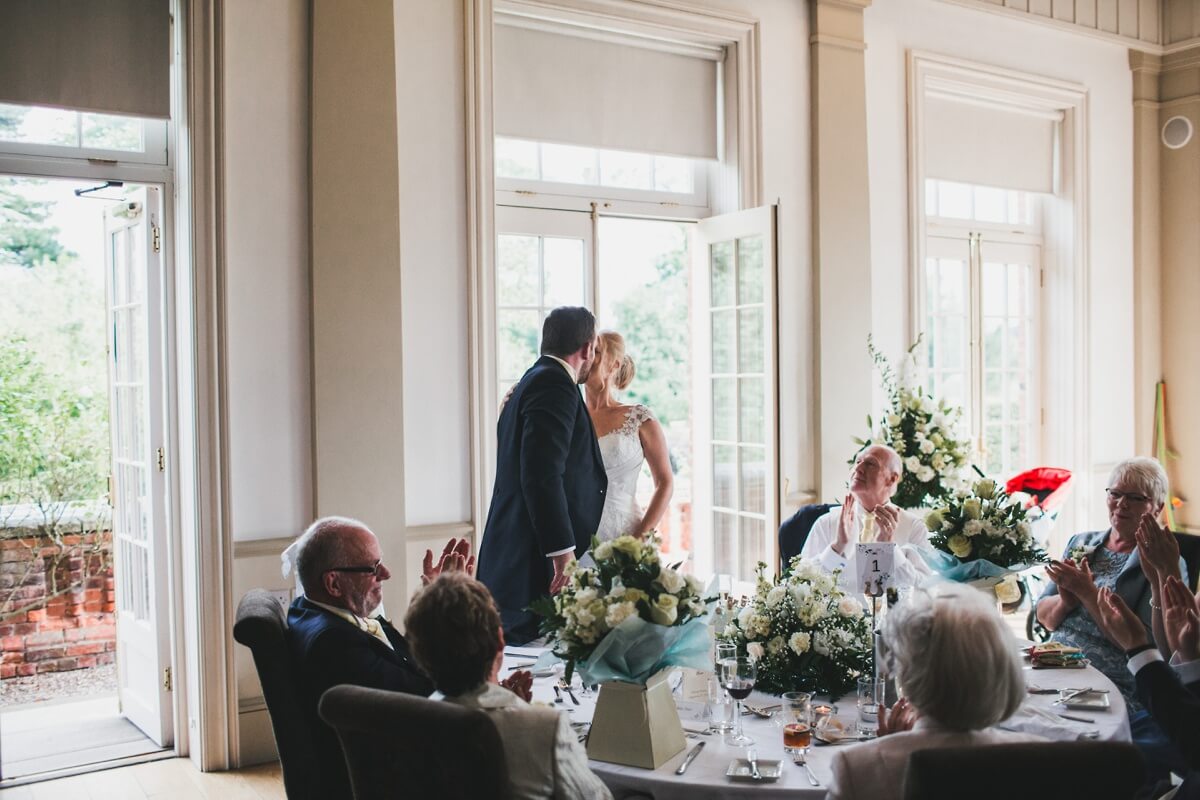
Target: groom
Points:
(550, 479)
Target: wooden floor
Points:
(169, 779)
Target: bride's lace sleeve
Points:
(637, 415)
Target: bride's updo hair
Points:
(612, 345)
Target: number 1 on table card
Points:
(876, 563)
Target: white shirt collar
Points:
(570, 370)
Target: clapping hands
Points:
(1123, 627)
(901, 717)
(1157, 550)
(520, 683)
(1181, 619)
(1074, 581)
(456, 557)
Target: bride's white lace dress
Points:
(622, 453)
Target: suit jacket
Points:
(548, 495)
(1176, 709)
(875, 770)
(545, 759)
(328, 651)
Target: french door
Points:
(133, 261)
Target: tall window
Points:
(982, 283)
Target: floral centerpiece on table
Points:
(804, 632)
(923, 431)
(627, 616)
(981, 535)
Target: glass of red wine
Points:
(737, 676)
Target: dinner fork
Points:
(799, 759)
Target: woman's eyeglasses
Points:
(1132, 498)
(373, 570)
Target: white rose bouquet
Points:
(923, 431)
(804, 633)
(981, 534)
(626, 617)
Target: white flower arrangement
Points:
(925, 434)
(627, 581)
(984, 525)
(804, 632)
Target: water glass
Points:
(720, 704)
(870, 695)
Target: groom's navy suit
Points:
(549, 492)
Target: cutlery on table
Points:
(557, 694)
(752, 757)
(689, 758)
(1077, 719)
(567, 688)
(800, 760)
(521, 666)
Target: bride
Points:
(628, 435)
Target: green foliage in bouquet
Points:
(923, 431)
(984, 523)
(627, 580)
(804, 633)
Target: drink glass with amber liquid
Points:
(797, 729)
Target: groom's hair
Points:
(567, 328)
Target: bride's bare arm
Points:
(654, 445)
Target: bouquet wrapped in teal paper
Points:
(626, 617)
(980, 536)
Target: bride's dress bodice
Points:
(622, 453)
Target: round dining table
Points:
(706, 776)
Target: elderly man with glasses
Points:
(335, 634)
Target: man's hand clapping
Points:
(886, 517)
(456, 557)
(1120, 624)
(845, 526)
(1181, 619)
(520, 683)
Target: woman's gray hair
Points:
(954, 657)
(1146, 474)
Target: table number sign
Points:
(876, 563)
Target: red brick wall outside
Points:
(44, 630)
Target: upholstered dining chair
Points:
(398, 746)
(260, 625)
(1029, 770)
(794, 531)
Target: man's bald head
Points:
(329, 542)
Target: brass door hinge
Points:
(156, 237)
(167, 679)
(162, 460)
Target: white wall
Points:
(895, 26)
(267, 268)
(431, 109)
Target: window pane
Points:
(516, 159)
(724, 477)
(751, 347)
(752, 410)
(991, 205)
(995, 300)
(750, 270)
(516, 270)
(563, 261)
(625, 170)
(993, 343)
(724, 410)
(954, 200)
(754, 479)
(517, 344)
(108, 132)
(721, 255)
(39, 125)
(952, 285)
(931, 197)
(1015, 347)
(954, 390)
(752, 547)
(673, 175)
(567, 164)
(722, 341)
(1019, 280)
(724, 542)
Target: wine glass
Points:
(737, 676)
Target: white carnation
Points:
(926, 474)
(755, 651)
(850, 607)
(619, 612)
(745, 618)
(973, 527)
(912, 463)
(776, 595)
(775, 645)
(799, 642)
(927, 447)
(671, 580)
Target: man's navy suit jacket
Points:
(327, 651)
(548, 495)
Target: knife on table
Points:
(689, 758)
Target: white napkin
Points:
(1031, 719)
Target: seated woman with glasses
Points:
(1110, 559)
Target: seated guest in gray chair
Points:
(950, 650)
(335, 636)
(454, 628)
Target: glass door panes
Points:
(742, 508)
(947, 340)
(542, 261)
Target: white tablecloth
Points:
(705, 778)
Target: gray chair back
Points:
(399, 746)
(1028, 770)
(261, 625)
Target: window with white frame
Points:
(56, 132)
(981, 323)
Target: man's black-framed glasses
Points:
(372, 570)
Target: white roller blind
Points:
(989, 146)
(556, 87)
(104, 56)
